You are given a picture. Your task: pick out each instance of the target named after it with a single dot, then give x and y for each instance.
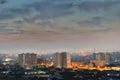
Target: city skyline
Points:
(59, 25)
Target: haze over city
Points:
(59, 25)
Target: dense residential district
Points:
(60, 66)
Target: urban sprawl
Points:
(60, 66)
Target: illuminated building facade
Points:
(99, 63)
(77, 64)
(57, 60)
(62, 60)
(27, 60)
(106, 57)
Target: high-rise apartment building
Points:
(27, 60)
(66, 60)
(106, 57)
(100, 56)
(57, 60)
(62, 60)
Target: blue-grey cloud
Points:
(105, 29)
(94, 22)
(7, 29)
(44, 12)
(46, 9)
(5, 16)
(3, 1)
(95, 5)
(19, 11)
(49, 9)
(4, 30)
(18, 22)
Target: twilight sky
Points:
(59, 25)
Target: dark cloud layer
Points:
(41, 12)
(45, 10)
(95, 5)
(3, 1)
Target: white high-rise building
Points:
(62, 60)
(57, 60)
(27, 60)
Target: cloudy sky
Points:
(58, 25)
